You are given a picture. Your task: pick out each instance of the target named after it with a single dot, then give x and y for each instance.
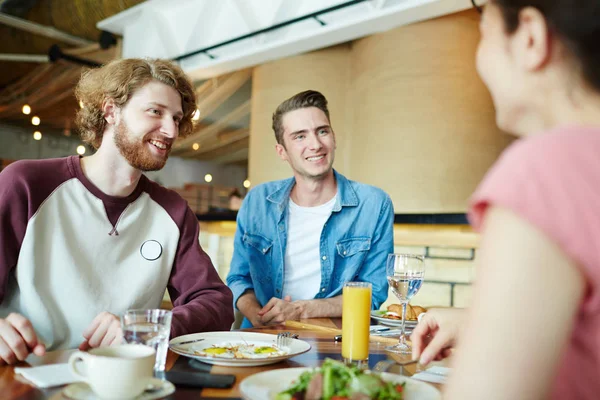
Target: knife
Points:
(335, 331)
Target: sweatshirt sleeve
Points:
(201, 301)
(14, 214)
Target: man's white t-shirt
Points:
(302, 266)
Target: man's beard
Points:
(135, 152)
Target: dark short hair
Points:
(575, 22)
(308, 98)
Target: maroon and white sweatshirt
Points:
(69, 252)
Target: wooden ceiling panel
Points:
(48, 87)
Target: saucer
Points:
(82, 391)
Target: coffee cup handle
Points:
(77, 356)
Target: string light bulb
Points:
(196, 115)
(208, 178)
(26, 109)
(35, 120)
(81, 149)
(246, 183)
(195, 146)
(37, 135)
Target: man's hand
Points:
(436, 334)
(18, 340)
(277, 311)
(105, 330)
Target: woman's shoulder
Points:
(566, 143)
(545, 174)
(565, 152)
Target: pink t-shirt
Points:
(553, 182)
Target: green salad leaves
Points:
(336, 381)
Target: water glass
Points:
(356, 319)
(405, 275)
(150, 328)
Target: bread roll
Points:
(419, 310)
(396, 308)
(412, 312)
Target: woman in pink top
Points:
(533, 331)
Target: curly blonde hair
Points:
(118, 80)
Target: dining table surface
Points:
(318, 332)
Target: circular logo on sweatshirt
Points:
(151, 250)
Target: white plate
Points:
(266, 385)
(209, 339)
(377, 316)
(82, 391)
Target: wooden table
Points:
(322, 343)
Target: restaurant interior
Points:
(410, 114)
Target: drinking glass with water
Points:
(405, 276)
(150, 328)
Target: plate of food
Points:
(333, 380)
(236, 349)
(393, 315)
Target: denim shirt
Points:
(354, 244)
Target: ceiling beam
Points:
(77, 51)
(221, 92)
(209, 85)
(14, 94)
(233, 157)
(62, 82)
(215, 128)
(53, 98)
(284, 11)
(223, 151)
(32, 58)
(247, 12)
(222, 140)
(42, 30)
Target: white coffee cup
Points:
(118, 372)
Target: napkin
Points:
(435, 374)
(46, 376)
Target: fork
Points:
(384, 365)
(284, 339)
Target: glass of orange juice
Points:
(356, 319)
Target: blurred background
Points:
(409, 111)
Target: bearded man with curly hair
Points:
(87, 238)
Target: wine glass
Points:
(405, 276)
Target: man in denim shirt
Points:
(300, 239)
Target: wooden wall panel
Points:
(425, 123)
(410, 113)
